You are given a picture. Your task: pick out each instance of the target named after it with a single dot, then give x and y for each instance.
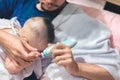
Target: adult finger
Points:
(27, 45)
(32, 52)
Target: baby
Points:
(38, 32)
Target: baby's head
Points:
(38, 31)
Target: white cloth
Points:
(55, 72)
(93, 42)
(5, 23)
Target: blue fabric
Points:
(27, 9)
(7, 7)
(23, 9)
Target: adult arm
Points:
(62, 56)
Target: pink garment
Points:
(112, 21)
(98, 4)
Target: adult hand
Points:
(15, 67)
(62, 56)
(15, 48)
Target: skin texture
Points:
(49, 5)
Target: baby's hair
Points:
(50, 29)
(48, 25)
